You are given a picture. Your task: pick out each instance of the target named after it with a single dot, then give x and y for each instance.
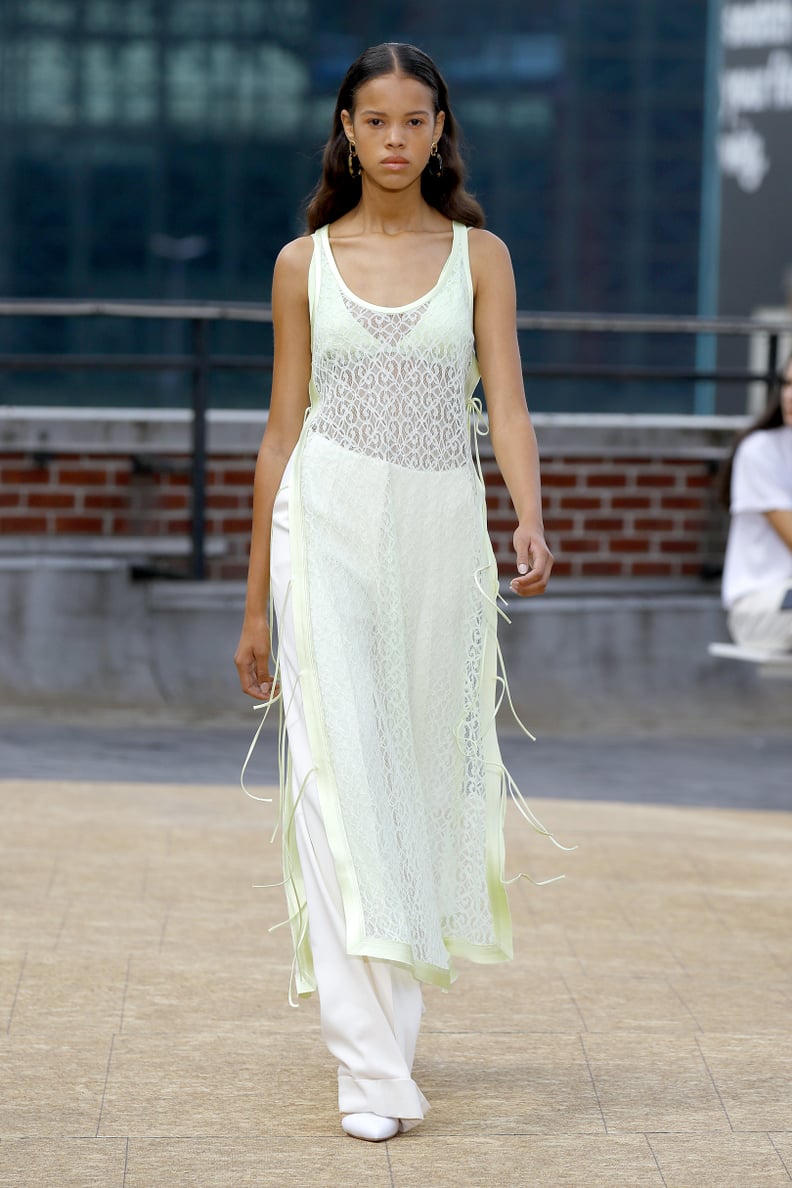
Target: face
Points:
(393, 125)
(786, 394)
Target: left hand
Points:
(534, 562)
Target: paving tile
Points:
(713, 1161)
(782, 1143)
(11, 970)
(653, 1082)
(754, 1078)
(52, 1085)
(257, 1163)
(524, 1161)
(622, 952)
(517, 1084)
(111, 925)
(58, 994)
(483, 1000)
(708, 956)
(67, 1163)
(245, 1081)
(629, 1004)
(738, 1005)
(30, 923)
(176, 993)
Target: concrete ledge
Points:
(78, 631)
(230, 431)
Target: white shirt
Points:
(756, 556)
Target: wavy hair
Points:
(771, 418)
(338, 192)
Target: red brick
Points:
(24, 474)
(120, 525)
(695, 525)
(699, 480)
(578, 544)
(217, 502)
(559, 524)
(173, 502)
(600, 568)
(580, 502)
(655, 480)
(176, 527)
(80, 476)
(651, 569)
(501, 523)
(609, 478)
(630, 502)
(603, 524)
(178, 480)
(691, 569)
(681, 502)
(50, 499)
(679, 546)
(23, 523)
(86, 524)
(10, 499)
(653, 524)
(240, 524)
(231, 478)
(105, 501)
(559, 480)
(629, 544)
(562, 569)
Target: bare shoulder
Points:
(291, 268)
(487, 250)
(295, 257)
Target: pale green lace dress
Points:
(394, 589)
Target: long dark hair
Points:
(339, 192)
(771, 418)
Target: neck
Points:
(385, 213)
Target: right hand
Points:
(252, 662)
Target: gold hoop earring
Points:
(435, 163)
(353, 161)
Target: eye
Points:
(416, 121)
(375, 121)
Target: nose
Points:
(395, 136)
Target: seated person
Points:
(757, 572)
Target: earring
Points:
(435, 162)
(353, 163)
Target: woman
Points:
(369, 514)
(757, 573)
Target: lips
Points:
(395, 161)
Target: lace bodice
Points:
(393, 384)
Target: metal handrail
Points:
(199, 362)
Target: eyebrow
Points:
(370, 111)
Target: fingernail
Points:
(522, 568)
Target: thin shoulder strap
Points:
(315, 270)
(461, 233)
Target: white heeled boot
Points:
(372, 1127)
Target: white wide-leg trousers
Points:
(757, 619)
(370, 1010)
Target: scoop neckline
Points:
(389, 308)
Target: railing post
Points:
(200, 385)
(772, 364)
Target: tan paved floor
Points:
(642, 1036)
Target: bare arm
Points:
(511, 430)
(290, 378)
(782, 522)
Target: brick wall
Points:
(647, 513)
(632, 517)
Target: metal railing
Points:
(200, 362)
